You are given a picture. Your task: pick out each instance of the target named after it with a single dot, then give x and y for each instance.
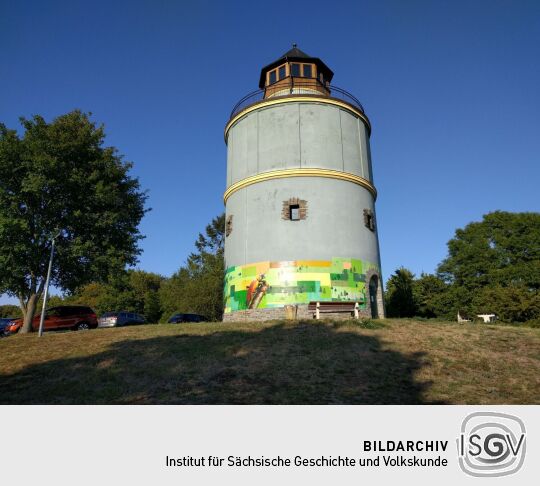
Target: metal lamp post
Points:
(46, 295)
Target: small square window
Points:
(294, 212)
(295, 69)
(307, 71)
(294, 209)
(273, 77)
(281, 72)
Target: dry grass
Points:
(391, 362)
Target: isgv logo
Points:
(491, 444)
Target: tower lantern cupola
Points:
(295, 72)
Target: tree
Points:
(198, 286)
(132, 291)
(8, 310)
(514, 303)
(92, 295)
(145, 287)
(135, 291)
(399, 294)
(59, 178)
(493, 266)
(502, 249)
(430, 296)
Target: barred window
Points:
(228, 225)
(369, 219)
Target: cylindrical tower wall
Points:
(312, 154)
(298, 134)
(333, 226)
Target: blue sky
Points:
(451, 88)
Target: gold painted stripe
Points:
(304, 172)
(294, 99)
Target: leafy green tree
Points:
(132, 291)
(91, 294)
(502, 249)
(452, 300)
(198, 286)
(8, 310)
(172, 294)
(430, 295)
(59, 178)
(493, 266)
(152, 307)
(399, 294)
(144, 288)
(514, 303)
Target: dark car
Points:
(177, 318)
(122, 318)
(76, 317)
(4, 323)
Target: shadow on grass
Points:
(301, 364)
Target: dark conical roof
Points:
(296, 54)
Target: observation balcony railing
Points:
(309, 87)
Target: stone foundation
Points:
(255, 315)
(278, 313)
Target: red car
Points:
(75, 317)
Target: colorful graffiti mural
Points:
(275, 284)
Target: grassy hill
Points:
(391, 361)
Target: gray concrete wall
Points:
(293, 135)
(334, 226)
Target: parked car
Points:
(76, 317)
(4, 323)
(177, 318)
(114, 319)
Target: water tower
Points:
(300, 198)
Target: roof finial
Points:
(294, 45)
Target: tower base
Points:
(278, 313)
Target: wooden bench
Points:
(330, 307)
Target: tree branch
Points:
(22, 302)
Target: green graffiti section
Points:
(275, 284)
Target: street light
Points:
(42, 317)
